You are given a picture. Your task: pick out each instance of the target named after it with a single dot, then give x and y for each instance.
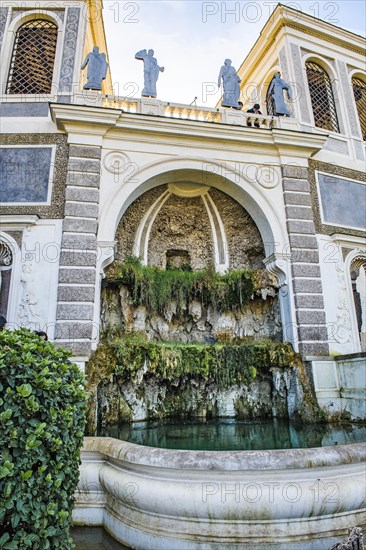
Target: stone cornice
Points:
(310, 143)
(82, 123)
(94, 123)
(17, 223)
(307, 143)
(349, 240)
(99, 118)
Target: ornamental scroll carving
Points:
(343, 329)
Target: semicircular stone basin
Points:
(150, 498)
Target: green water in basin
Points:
(235, 435)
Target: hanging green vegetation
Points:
(130, 376)
(225, 365)
(155, 288)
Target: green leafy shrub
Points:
(42, 420)
(155, 288)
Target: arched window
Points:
(33, 58)
(359, 91)
(269, 102)
(322, 98)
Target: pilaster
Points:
(306, 278)
(75, 329)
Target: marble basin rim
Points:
(152, 498)
(226, 460)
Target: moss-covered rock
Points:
(131, 378)
(156, 288)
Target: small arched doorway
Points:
(6, 265)
(358, 284)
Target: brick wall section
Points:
(77, 275)
(307, 284)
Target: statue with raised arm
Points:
(97, 69)
(151, 72)
(276, 90)
(231, 84)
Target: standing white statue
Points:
(276, 90)
(231, 83)
(97, 69)
(151, 72)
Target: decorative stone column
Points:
(77, 276)
(307, 284)
(3, 19)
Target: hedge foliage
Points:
(42, 420)
(155, 288)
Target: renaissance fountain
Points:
(204, 429)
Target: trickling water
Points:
(230, 434)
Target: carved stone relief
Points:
(3, 18)
(342, 331)
(28, 304)
(70, 44)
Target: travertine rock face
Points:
(128, 226)
(243, 238)
(259, 318)
(182, 224)
(278, 393)
(354, 541)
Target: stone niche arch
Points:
(196, 225)
(355, 270)
(10, 268)
(202, 172)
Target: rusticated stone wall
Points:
(307, 283)
(77, 274)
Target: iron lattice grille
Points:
(269, 102)
(31, 68)
(322, 98)
(359, 91)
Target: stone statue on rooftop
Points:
(231, 84)
(276, 90)
(151, 72)
(97, 69)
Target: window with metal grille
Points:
(322, 98)
(33, 58)
(269, 102)
(359, 91)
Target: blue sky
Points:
(192, 38)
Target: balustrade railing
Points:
(189, 112)
(156, 107)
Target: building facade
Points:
(74, 163)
